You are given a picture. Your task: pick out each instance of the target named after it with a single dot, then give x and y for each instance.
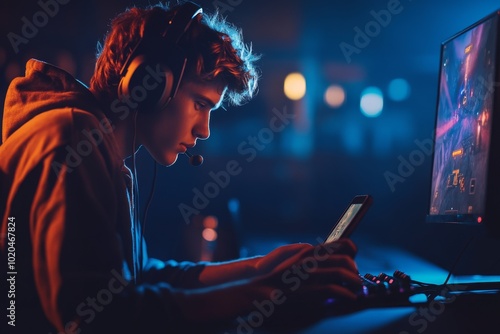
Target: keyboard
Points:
(383, 290)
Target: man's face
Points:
(186, 118)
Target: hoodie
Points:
(69, 236)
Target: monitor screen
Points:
(464, 125)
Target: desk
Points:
(465, 314)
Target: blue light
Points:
(399, 89)
(372, 102)
(352, 136)
(233, 205)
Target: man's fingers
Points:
(341, 246)
(322, 258)
(339, 275)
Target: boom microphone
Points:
(194, 160)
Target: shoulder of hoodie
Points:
(78, 132)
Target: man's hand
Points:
(306, 276)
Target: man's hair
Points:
(215, 51)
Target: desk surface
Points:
(466, 315)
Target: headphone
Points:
(153, 71)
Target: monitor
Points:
(465, 182)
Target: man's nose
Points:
(202, 130)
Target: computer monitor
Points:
(465, 183)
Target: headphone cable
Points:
(135, 200)
(135, 197)
(150, 198)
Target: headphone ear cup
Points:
(146, 84)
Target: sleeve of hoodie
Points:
(78, 253)
(183, 274)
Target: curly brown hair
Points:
(215, 51)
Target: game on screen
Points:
(463, 121)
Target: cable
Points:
(431, 296)
(136, 202)
(135, 199)
(402, 276)
(459, 257)
(150, 198)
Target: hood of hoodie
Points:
(44, 87)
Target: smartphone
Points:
(350, 218)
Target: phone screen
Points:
(351, 217)
(344, 222)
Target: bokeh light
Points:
(295, 86)
(209, 234)
(210, 222)
(334, 96)
(372, 102)
(398, 89)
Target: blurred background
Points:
(346, 106)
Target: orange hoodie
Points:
(68, 238)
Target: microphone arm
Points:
(194, 160)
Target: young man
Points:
(71, 237)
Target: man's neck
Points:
(124, 131)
